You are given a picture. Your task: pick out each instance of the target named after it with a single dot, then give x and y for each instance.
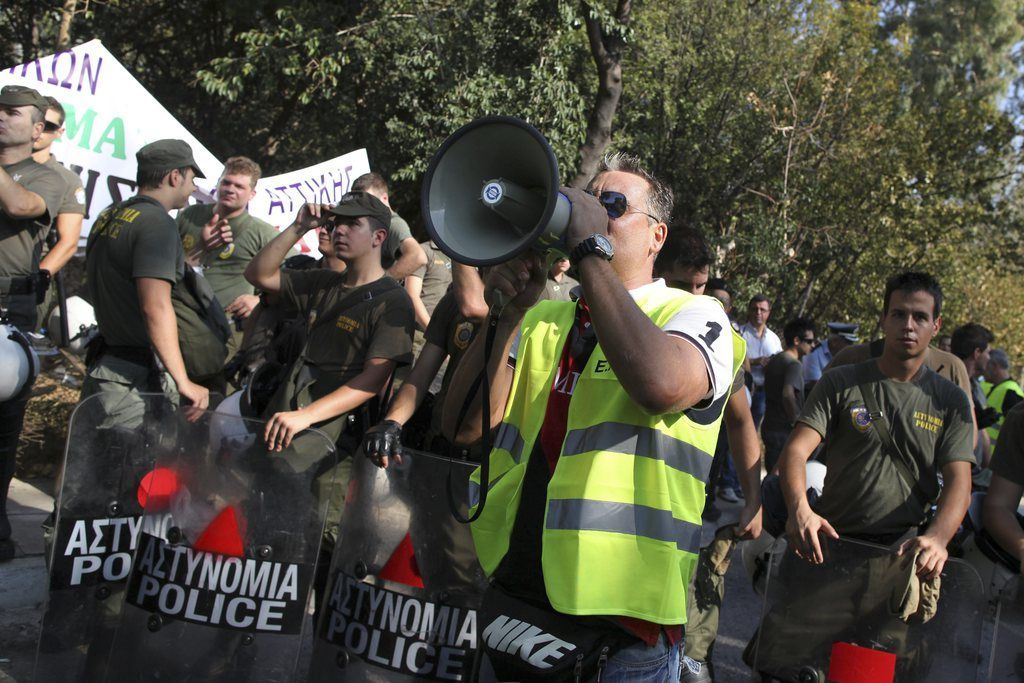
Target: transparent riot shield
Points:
(111, 445)
(404, 583)
(225, 555)
(858, 617)
(1007, 657)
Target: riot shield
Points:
(224, 562)
(1007, 657)
(859, 617)
(110, 448)
(404, 583)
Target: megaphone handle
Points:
(498, 302)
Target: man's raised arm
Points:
(264, 271)
(18, 202)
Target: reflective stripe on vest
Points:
(622, 518)
(642, 442)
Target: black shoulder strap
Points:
(880, 423)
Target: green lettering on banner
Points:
(72, 125)
(113, 135)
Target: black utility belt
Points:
(18, 285)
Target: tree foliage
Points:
(821, 145)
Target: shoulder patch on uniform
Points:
(860, 418)
(463, 333)
(346, 323)
(226, 252)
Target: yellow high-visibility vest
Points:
(623, 519)
(996, 395)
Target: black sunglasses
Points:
(616, 205)
(50, 126)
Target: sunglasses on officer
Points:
(616, 205)
(50, 126)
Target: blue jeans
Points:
(642, 664)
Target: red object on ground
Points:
(223, 536)
(401, 567)
(157, 489)
(855, 664)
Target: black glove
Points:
(383, 441)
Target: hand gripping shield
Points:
(224, 563)
(404, 583)
(859, 617)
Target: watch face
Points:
(604, 244)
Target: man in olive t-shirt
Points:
(223, 237)
(61, 241)
(133, 259)
(30, 196)
(871, 491)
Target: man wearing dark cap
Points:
(30, 196)
(359, 329)
(133, 259)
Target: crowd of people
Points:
(611, 370)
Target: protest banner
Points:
(110, 115)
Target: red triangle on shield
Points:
(402, 567)
(223, 536)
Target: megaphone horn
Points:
(491, 193)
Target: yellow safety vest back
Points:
(623, 520)
(996, 395)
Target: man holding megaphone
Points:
(607, 413)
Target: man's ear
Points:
(659, 233)
(938, 324)
(379, 235)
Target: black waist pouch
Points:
(527, 642)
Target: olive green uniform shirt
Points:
(340, 342)
(436, 275)
(398, 231)
(21, 240)
(559, 291)
(74, 194)
(130, 240)
(782, 370)
(224, 268)
(930, 422)
(1008, 458)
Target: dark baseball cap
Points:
(165, 155)
(356, 204)
(22, 96)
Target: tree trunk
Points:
(606, 49)
(67, 13)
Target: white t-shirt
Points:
(759, 347)
(704, 324)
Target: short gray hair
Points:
(660, 201)
(999, 357)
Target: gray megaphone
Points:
(491, 193)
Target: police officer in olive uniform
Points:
(133, 259)
(30, 196)
(62, 241)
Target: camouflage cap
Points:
(22, 96)
(356, 204)
(165, 155)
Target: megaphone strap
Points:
(483, 383)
